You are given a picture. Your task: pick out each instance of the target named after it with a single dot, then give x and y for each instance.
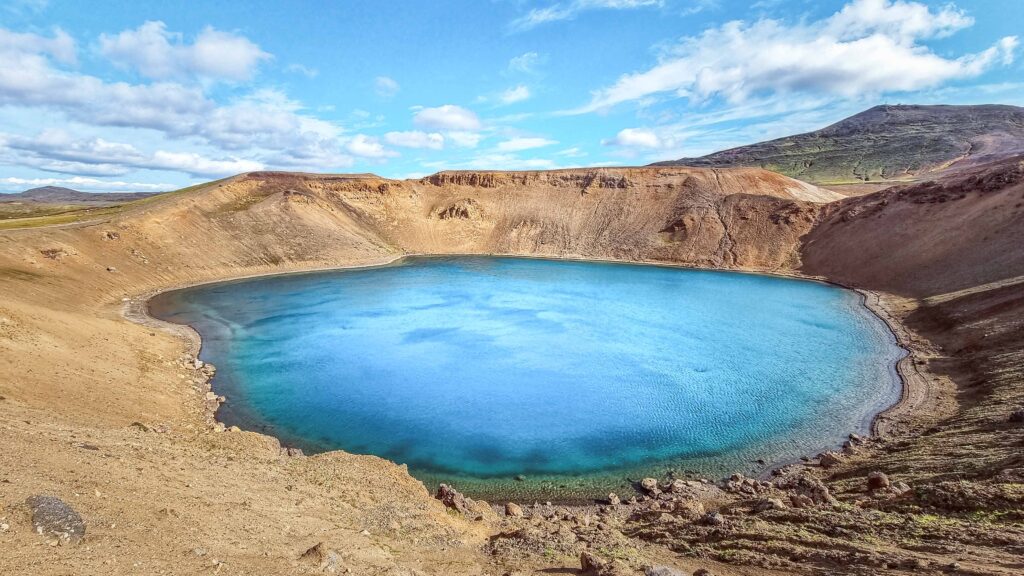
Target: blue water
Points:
(574, 375)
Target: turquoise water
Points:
(576, 376)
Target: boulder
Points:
(52, 517)
(590, 563)
(452, 498)
(689, 509)
(829, 459)
(765, 504)
(877, 481)
(649, 485)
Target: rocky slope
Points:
(887, 143)
(112, 416)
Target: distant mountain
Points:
(59, 195)
(884, 143)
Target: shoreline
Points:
(136, 309)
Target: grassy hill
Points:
(884, 143)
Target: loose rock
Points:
(452, 498)
(877, 481)
(513, 510)
(52, 517)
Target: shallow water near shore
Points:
(574, 377)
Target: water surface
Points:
(575, 376)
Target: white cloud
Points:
(569, 10)
(368, 147)
(515, 94)
(525, 63)
(57, 151)
(86, 184)
(868, 47)
(464, 139)
(385, 87)
(306, 71)
(635, 138)
(447, 117)
(60, 47)
(156, 53)
(517, 144)
(415, 139)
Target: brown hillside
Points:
(104, 408)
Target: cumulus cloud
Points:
(634, 138)
(868, 47)
(569, 10)
(447, 117)
(368, 147)
(385, 87)
(415, 139)
(154, 52)
(57, 151)
(517, 144)
(264, 123)
(464, 139)
(515, 94)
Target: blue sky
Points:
(158, 95)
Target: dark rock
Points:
(52, 517)
(713, 519)
(452, 498)
(1017, 416)
(702, 572)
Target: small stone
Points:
(513, 510)
(111, 269)
(613, 499)
(649, 485)
(955, 566)
(713, 519)
(877, 481)
(51, 516)
(677, 486)
(325, 559)
(219, 427)
(4, 527)
(1017, 416)
(662, 571)
(520, 478)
